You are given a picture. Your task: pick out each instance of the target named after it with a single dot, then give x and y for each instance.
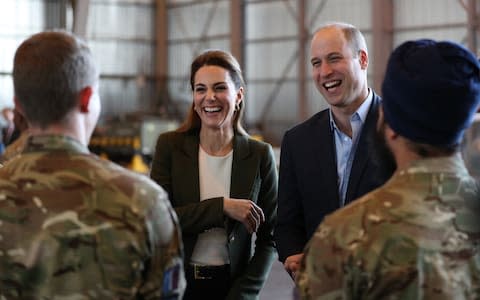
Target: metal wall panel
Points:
(272, 65)
(126, 58)
(18, 20)
(199, 19)
(413, 13)
(355, 12)
(267, 60)
(22, 17)
(121, 36)
(193, 27)
(453, 34)
(272, 126)
(271, 60)
(120, 97)
(122, 21)
(267, 65)
(271, 19)
(435, 19)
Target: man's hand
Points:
(292, 264)
(245, 211)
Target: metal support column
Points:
(161, 51)
(382, 30)
(302, 60)
(472, 19)
(237, 30)
(80, 17)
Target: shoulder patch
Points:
(170, 280)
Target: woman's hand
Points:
(245, 211)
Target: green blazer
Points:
(254, 177)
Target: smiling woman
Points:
(232, 186)
(215, 99)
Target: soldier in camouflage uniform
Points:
(16, 147)
(74, 226)
(418, 236)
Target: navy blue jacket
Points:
(308, 188)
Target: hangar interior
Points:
(144, 49)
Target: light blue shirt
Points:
(345, 146)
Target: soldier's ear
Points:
(84, 98)
(390, 134)
(18, 105)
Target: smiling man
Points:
(326, 162)
(417, 236)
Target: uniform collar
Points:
(55, 143)
(444, 164)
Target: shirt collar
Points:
(362, 111)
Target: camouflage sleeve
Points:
(342, 253)
(320, 270)
(357, 253)
(166, 264)
(333, 266)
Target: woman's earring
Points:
(237, 106)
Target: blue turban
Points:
(431, 91)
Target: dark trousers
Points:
(207, 282)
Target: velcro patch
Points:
(170, 280)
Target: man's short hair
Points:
(50, 69)
(352, 34)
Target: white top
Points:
(214, 174)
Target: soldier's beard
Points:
(382, 151)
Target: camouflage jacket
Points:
(417, 237)
(74, 226)
(14, 148)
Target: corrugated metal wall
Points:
(18, 20)
(122, 36)
(271, 64)
(271, 47)
(436, 19)
(192, 28)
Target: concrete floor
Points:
(279, 285)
